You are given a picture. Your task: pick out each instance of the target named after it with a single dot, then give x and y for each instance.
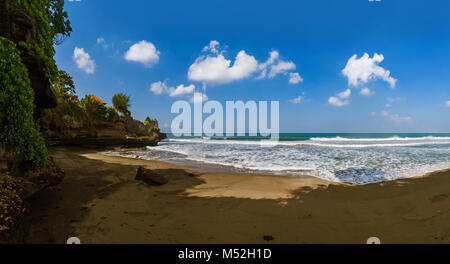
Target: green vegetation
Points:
(121, 103)
(63, 85)
(147, 121)
(51, 24)
(96, 111)
(17, 107)
(59, 21)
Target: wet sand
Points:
(101, 202)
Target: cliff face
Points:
(126, 132)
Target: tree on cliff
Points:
(121, 103)
(64, 85)
(59, 21)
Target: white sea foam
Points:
(358, 161)
(394, 138)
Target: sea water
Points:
(353, 158)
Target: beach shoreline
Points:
(101, 202)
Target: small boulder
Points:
(150, 177)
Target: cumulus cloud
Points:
(335, 101)
(366, 92)
(341, 99)
(213, 46)
(181, 89)
(214, 68)
(447, 104)
(274, 66)
(161, 87)
(345, 94)
(218, 70)
(143, 52)
(395, 117)
(83, 60)
(360, 71)
(395, 100)
(158, 87)
(297, 100)
(101, 41)
(295, 78)
(281, 67)
(198, 98)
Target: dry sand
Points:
(100, 202)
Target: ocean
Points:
(353, 158)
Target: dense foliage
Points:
(121, 103)
(59, 21)
(51, 24)
(17, 107)
(96, 111)
(63, 85)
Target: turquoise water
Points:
(306, 136)
(355, 158)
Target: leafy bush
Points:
(112, 115)
(94, 110)
(18, 128)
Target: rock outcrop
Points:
(124, 133)
(150, 177)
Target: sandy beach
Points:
(101, 202)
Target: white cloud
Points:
(395, 117)
(345, 94)
(360, 71)
(273, 56)
(101, 41)
(158, 87)
(341, 99)
(161, 87)
(83, 60)
(181, 89)
(199, 98)
(396, 99)
(295, 78)
(366, 92)
(297, 100)
(214, 68)
(447, 104)
(213, 46)
(281, 67)
(274, 66)
(143, 52)
(335, 101)
(218, 70)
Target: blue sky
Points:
(402, 85)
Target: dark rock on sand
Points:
(150, 177)
(268, 238)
